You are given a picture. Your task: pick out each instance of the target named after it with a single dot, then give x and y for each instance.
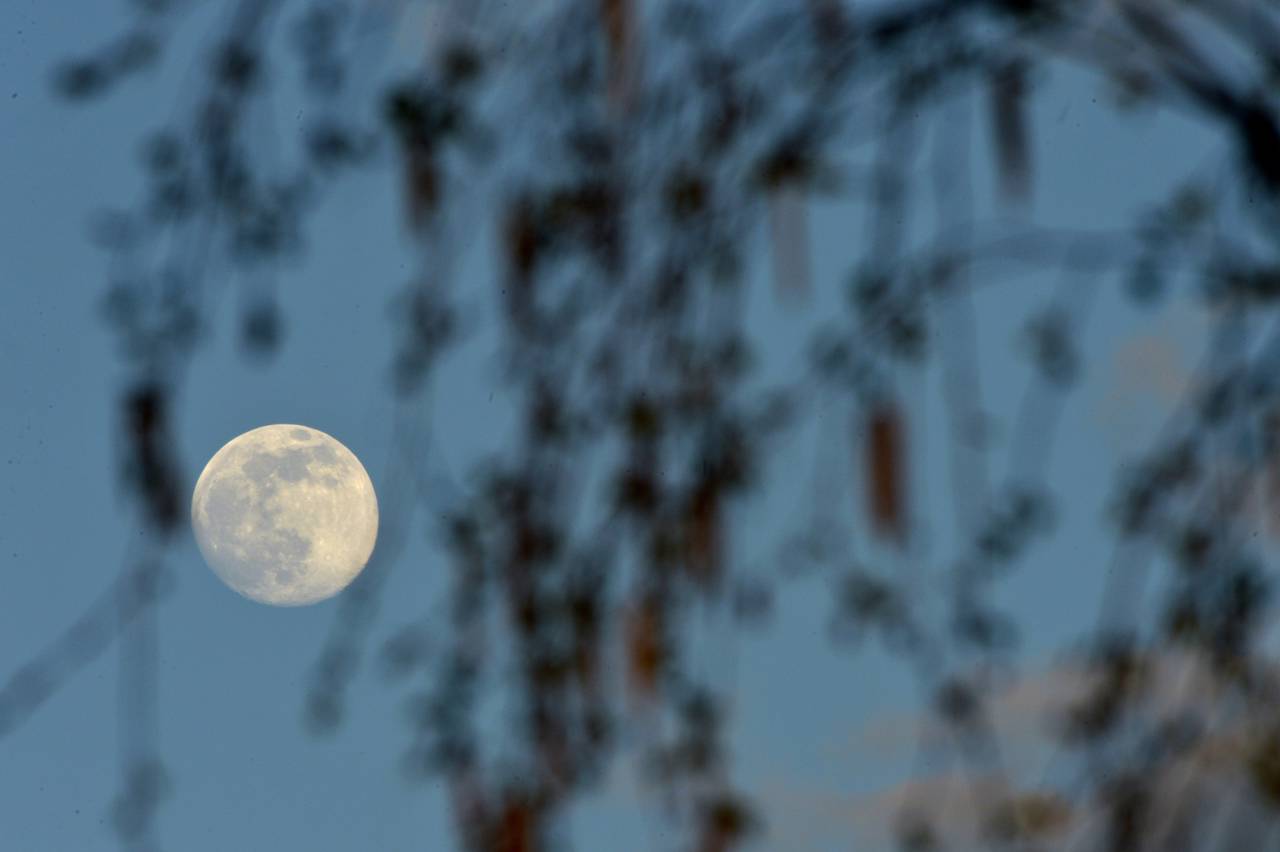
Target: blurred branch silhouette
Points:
(625, 155)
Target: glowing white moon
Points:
(285, 515)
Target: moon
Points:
(285, 515)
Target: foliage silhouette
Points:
(625, 155)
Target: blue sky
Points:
(233, 674)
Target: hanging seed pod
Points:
(1271, 476)
(884, 450)
(703, 535)
(644, 647)
(1008, 89)
(618, 20)
(421, 187)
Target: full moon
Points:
(285, 515)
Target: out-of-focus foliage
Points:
(625, 154)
